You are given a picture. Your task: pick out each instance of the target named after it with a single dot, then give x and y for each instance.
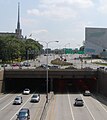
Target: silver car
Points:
(17, 100)
(35, 98)
(79, 102)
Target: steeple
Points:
(18, 22)
(18, 31)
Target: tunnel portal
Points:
(55, 85)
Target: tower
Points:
(18, 31)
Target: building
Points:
(95, 41)
(18, 31)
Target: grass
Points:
(100, 63)
(57, 61)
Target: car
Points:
(45, 66)
(26, 91)
(4, 65)
(87, 93)
(79, 102)
(26, 64)
(18, 100)
(24, 114)
(35, 98)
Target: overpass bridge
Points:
(52, 74)
(58, 79)
(18, 79)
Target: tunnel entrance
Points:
(74, 85)
(56, 85)
(18, 85)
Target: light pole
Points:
(47, 67)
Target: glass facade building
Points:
(95, 40)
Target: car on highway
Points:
(18, 100)
(26, 91)
(26, 64)
(35, 98)
(87, 93)
(79, 101)
(24, 114)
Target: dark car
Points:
(24, 114)
(26, 64)
(79, 102)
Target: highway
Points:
(8, 111)
(62, 108)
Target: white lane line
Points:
(70, 107)
(20, 108)
(87, 108)
(7, 105)
(101, 105)
(4, 96)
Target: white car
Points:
(87, 93)
(35, 98)
(26, 91)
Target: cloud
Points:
(27, 21)
(79, 3)
(59, 9)
(54, 12)
(40, 31)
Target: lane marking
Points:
(4, 96)
(87, 108)
(7, 105)
(101, 105)
(20, 108)
(70, 107)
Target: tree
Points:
(12, 48)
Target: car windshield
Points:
(26, 89)
(34, 96)
(79, 100)
(16, 98)
(23, 114)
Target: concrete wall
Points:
(1, 80)
(102, 82)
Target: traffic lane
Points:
(96, 108)
(102, 99)
(79, 112)
(60, 109)
(9, 111)
(35, 108)
(6, 100)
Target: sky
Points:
(54, 20)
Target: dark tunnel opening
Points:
(56, 85)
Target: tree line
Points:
(12, 48)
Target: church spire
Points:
(18, 22)
(18, 30)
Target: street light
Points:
(47, 67)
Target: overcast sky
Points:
(51, 20)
